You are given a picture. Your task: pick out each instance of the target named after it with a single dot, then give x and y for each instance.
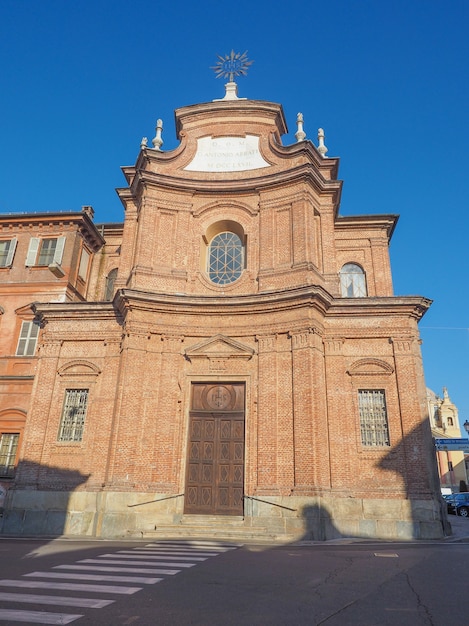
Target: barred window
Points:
(8, 449)
(73, 415)
(373, 417)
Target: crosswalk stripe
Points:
(98, 577)
(189, 553)
(159, 555)
(39, 584)
(135, 570)
(36, 617)
(127, 562)
(158, 558)
(31, 598)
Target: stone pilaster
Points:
(267, 434)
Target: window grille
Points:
(226, 258)
(373, 418)
(352, 281)
(73, 415)
(8, 449)
(28, 339)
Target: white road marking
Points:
(159, 555)
(36, 617)
(129, 570)
(31, 598)
(164, 554)
(115, 560)
(191, 553)
(128, 562)
(98, 577)
(39, 584)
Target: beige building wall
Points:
(444, 423)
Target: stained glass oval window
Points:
(225, 258)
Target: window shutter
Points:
(11, 251)
(59, 250)
(84, 262)
(32, 251)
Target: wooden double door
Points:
(215, 457)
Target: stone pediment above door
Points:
(219, 348)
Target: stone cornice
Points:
(411, 306)
(217, 111)
(74, 310)
(80, 219)
(304, 173)
(311, 296)
(361, 222)
(310, 152)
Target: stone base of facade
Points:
(138, 515)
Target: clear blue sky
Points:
(83, 81)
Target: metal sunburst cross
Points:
(231, 65)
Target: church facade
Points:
(232, 353)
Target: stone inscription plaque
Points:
(227, 154)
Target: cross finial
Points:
(231, 65)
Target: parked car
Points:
(3, 493)
(458, 503)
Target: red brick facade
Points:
(284, 332)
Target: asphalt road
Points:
(177, 584)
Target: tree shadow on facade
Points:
(37, 503)
(319, 525)
(415, 459)
(419, 513)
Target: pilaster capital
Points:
(306, 338)
(333, 346)
(172, 343)
(402, 345)
(267, 343)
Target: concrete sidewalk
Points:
(460, 528)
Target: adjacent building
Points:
(232, 353)
(444, 423)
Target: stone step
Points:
(212, 531)
(212, 520)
